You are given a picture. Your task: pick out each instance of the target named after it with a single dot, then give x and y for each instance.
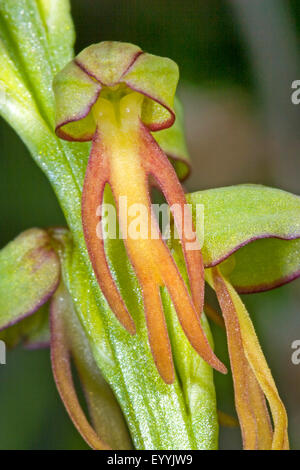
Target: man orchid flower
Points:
(120, 94)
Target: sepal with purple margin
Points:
(253, 232)
(32, 332)
(78, 86)
(29, 275)
(112, 64)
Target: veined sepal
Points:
(29, 275)
(253, 233)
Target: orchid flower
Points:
(119, 95)
(129, 311)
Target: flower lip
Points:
(78, 86)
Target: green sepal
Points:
(254, 228)
(29, 274)
(122, 67)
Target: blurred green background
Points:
(237, 60)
